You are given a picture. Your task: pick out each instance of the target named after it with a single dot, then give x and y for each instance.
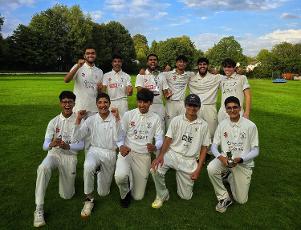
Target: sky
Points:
(255, 24)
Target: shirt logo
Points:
(243, 135)
(174, 78)
(57, 130)
(225, 134)
(132, 124)
(187, 138)
(83, 75)
(149, 125)
(110, 79)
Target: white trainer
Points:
(38, 220)
(158, 202)
(222, 205)
(87, 209)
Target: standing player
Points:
(105, 130)
(140, 127)
(118, 85)
(206, 85)
(177, 81)
(239, 136)
(155, 82)
(235, 85)
(186, 140)
(62, 151)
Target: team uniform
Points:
(187, 139)
(64, 160)
(139, 129)
(116, 83)
(177, 84)
(241, 138)
(85, 89)
(232, 86)
(206, 88)
(102, 153)
(155, 83)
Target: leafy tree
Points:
(141, 48)
(266, 68)
(227, 47)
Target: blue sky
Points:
(255, 24)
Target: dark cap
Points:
(193, 99)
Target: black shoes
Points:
(125, 202)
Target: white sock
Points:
(39, 207)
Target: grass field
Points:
(28, 103)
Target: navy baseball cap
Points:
(193, 99)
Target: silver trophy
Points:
(230, 159)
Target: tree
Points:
(227, 47)
(267, 66)
(141, 48)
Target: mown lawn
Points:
(28, 103)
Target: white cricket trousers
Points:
(239, 180)
(184, 167)
(160, 110)
(173, 109)
(66, 164)
(132, 173)
(121, 105)
(209, 114)
(101, 162)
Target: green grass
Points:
(28, 103)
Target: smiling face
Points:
(152, 62)
(229, 70)
(117, 64)
(233, 110)
(143, 106)
(191, 110)
(67, 105)
(103, 106)
(181, 65)
(90, 55)
(203, 68)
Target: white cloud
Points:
(250, 43)
(180, 21)
(289, 16)
(204, 18)
(234, 4)
(10, 24)
(95, 15)
(14, 4)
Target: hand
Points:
(115, 113)
(195, 175)
(99, 86)
(246, 115)
(124, 150)
(64, 145)
(240, 71)
(80, 62)
(80, 115)
(168, 93)
(129, 90)
(213, 71)
(142, 71)
(55, 142)
(157, 162)
(224, 160)
(237, 160)
(151, 148)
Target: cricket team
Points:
(180, 134)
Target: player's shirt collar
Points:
(109, 118)
(87, 66)
(65, 118)
(175, 72)
(192, 122)
(116, 73)
(236, 124)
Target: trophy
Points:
(230, 159)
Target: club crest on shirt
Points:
(225, 134)
(132, 124)
(196, 129)
(145, 80)
(174, 78)
(149, 125)
(83, 75)
(243, 135)
(110, 79)
(57, 130)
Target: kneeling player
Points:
(140, 126)
(105, 130)
(62, 150)
(238, 137)
(186, 139)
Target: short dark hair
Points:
(203, 59)
(150, 55)
(116, 56)
(232, 99)
(89, 47)
(103, 95)
(182, 58)
(67, 94)
(229, 62)
(145, 95)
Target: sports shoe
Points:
(126, 201)
(223, 204)
(158, 202)
(38, 220)
(87, 209)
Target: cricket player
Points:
(235, 85)
(206, 85)
(87, 84)
(62, 151)
(105, 130)
(118, 85)
(177, 81)
(186, 140)
(153, 80)
(140, 127)
(238, 136)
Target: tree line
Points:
(55, 39)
